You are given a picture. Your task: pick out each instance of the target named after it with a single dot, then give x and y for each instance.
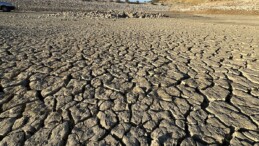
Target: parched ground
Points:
(169, 81)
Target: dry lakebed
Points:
(76, 79)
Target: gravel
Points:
(107, 14)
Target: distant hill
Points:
(194, 5)
(204, 1)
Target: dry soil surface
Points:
(72, 81)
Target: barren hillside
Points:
(207, 1)
(82, 5)
(191, 5)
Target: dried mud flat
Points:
(81, 81)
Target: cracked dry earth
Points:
(81, 81)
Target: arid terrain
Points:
(208, 5)
(69, 79)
